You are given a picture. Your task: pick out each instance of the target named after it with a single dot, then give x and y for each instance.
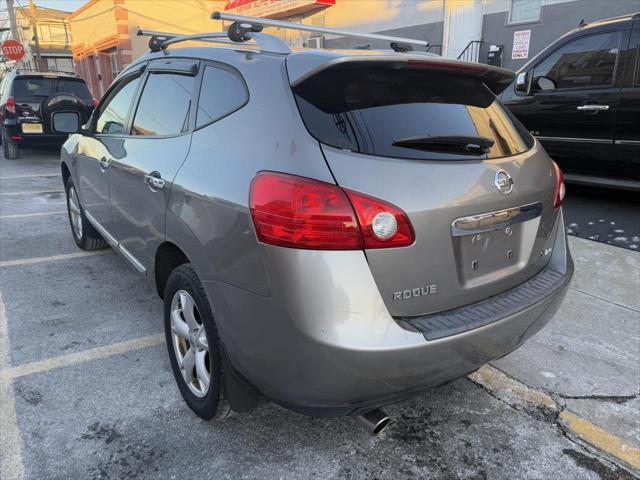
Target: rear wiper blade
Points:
(460, 144)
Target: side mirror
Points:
(523, 86)
(545, 83)
(65, 122)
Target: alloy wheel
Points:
(190, 344)
(74, 212)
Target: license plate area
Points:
(494, 245)
(31, 128)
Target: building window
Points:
(521, 11)
(60, 64)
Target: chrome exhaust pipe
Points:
(374, 420)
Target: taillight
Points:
(298, 212)
(11, 105)
(383, 225)
(561, 190)
(95, 103)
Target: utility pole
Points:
(34, 24)
(15, 33)
(12, 20)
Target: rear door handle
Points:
(154, 181)
(103, 163)
(593, 108)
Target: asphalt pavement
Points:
(604, 215)
(86, 389)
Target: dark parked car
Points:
(27, 101)
(581, 98)
(330, 230)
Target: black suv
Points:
(581, 98)
(27, 101)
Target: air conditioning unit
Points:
(315, 42)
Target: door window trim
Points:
(573, 39)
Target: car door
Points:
(573, 100)
(156, 145)
(627, 142)
(97, 150)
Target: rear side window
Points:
(75, 87)
(113, 112)
(404, 113)
(584, 62)
(164, 105)
(221, 93)
(27, 88)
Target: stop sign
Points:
(12, 49)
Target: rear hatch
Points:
(32, 91)
(429, 136)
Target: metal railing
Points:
(471, 52)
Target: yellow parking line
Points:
(24, 215)
(11, 465)
(31, 192)
(52, 258)
(84, 356)
(600, 438)
(14, 177)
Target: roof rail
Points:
(43, 72)
(267, 43)
(243, 28)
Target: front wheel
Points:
(85, 236)
(194, 345)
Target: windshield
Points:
(375, 110)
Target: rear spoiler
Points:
(495, 78)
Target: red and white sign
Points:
(12, 49)
(274, 8)
(521, 40)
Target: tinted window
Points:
(221, 93)
(113, 113)
(164, 105)
(585, 62)
(366, 110)
(26, 87)
(75, 87)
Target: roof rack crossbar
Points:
(268, 22)
(161, 40)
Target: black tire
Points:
(10, 150)
(88, 237)
(213, 405)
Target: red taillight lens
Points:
(383, 225)
(11, 105)
(560, 188)
(95, 103)
(298, 212)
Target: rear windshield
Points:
(75, 87)
(41, 88)
(34, 87)
(368, 110)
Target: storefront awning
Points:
(275, 8)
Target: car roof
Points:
(604, 24)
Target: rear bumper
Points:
(47, 138)
(323, 342)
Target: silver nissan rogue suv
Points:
(329, 230)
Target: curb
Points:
(541, 405)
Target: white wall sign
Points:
(521, 39)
